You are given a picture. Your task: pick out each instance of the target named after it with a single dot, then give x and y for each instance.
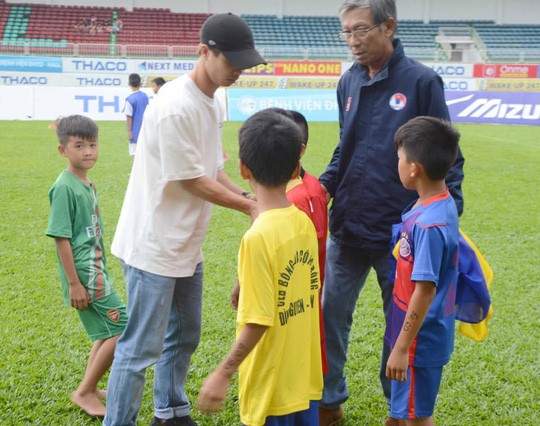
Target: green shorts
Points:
(105, 317)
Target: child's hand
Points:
(213, 392)
(78, 296)
(397, 364)
(328, 196)
(235, 294)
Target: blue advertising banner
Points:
(494, 107)
(316, 105)
(321, 105)
(30, 64)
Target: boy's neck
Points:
(269, 198)
(79, 174)
(427, 189)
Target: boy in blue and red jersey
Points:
(420, 323)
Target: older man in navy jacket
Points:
(381, 91)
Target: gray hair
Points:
(381, 10)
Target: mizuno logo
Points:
(496, 108)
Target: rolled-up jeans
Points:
(346, 271)
(163, 328)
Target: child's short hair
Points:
(301, 121)
(134, 80)
(270, 145)
(430, 141)
(76, 125)
(298, 118)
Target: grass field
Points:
(44, 348)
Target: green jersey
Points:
(75, 216)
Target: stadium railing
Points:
(161, 51)
(52, 48)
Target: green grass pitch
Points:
(44, 348)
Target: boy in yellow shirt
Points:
(277, 351)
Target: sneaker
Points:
(175, 421)
(330, 417)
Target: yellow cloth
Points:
(479, 331)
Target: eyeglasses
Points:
(357, 34)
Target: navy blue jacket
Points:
(362, 176)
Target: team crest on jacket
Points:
(404, 247)
(398, 101)
(113, 315)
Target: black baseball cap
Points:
(231, 35)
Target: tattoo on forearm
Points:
(407, 324)
(235, 358)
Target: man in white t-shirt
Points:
(177, 175)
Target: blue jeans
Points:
(346, 271)
(163, 328)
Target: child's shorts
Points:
(105, 317)
(307, 417)
(415, 398)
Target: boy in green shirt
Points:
(75, 224)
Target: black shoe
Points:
(175, 421)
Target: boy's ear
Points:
(296, 172)
(416, 169)
(244, 171)
(61, 149)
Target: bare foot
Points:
(101, 394)
(90, 403)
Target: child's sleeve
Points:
(320, 216)
(128, 108)
(62, 212)
(429, 246)
(256, 304)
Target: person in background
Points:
(157, 83)
(382, 90)
(177, 176)
(136, 104)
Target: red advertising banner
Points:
(307, 68)
(263, 69)
(505, 70)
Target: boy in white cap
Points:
(177, 175)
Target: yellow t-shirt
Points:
(278, 270)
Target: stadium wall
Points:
(500, 11)
(44, 88)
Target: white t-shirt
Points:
(162, 226)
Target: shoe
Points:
(175, 421)
(330, 417)
(390, 421)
